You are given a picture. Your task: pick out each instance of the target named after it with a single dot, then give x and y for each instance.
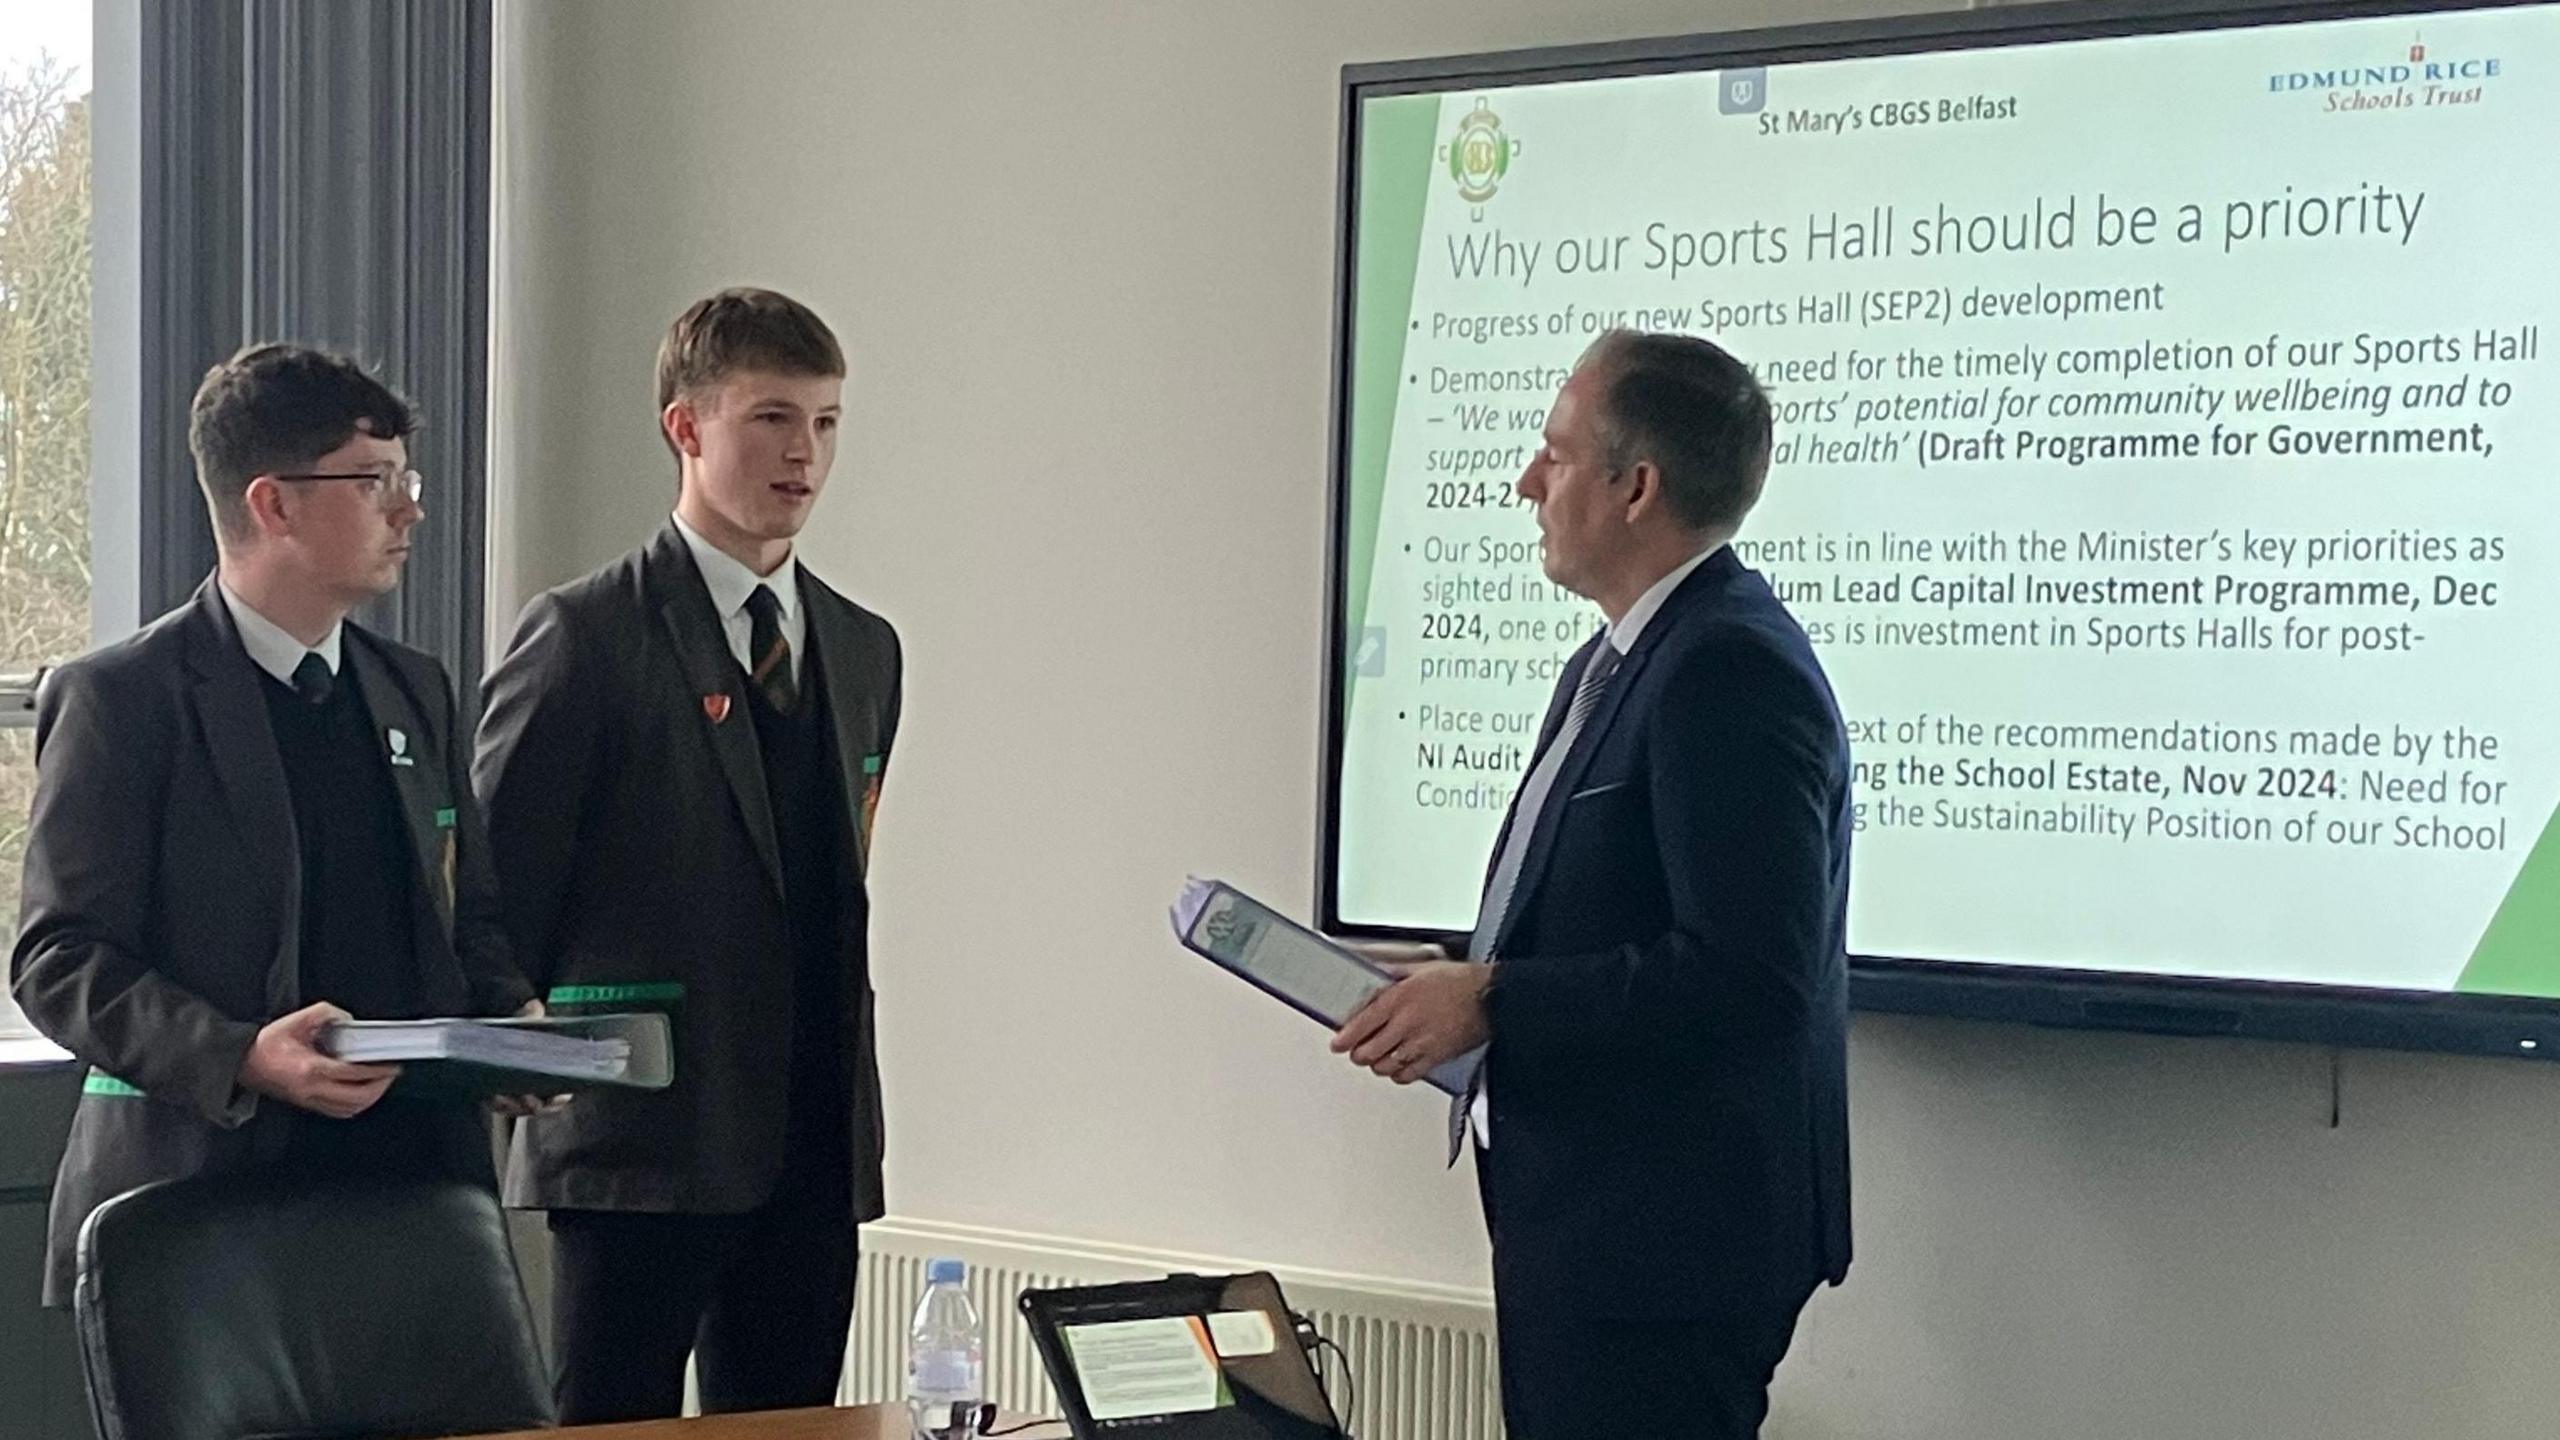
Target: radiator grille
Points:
(1423, 1370)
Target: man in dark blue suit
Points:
(1659, 962)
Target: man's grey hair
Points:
(1692, 410)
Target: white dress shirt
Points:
(731, 582)
(270, 646)
(1623, 634)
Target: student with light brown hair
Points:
(681, 755)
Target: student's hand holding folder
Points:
(520, 1107)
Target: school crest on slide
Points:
(1479, 155)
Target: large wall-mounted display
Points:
(2168, 472)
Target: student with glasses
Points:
(392, 489)
(255, 818)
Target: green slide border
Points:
(2519, 954)
(1396, 136)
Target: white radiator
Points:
(1422, 1357)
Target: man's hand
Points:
(1431, 1015)
(285, 1062)
(522, 1105)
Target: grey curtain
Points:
(318, 171)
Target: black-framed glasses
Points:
(390, 488)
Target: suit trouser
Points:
(762, 1301)
(1563, 1379)
(1568, 1377)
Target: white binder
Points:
(1289, 962)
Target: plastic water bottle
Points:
(946, 1357)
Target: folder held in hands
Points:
(515, 1055)
(1289, 962)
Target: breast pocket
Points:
(1604, 834)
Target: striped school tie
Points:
(772, 669)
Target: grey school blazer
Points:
(629, 815)
(162, 917)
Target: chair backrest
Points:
(271, 1306)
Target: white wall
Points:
(1083, 256)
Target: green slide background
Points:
(1395, 175)
(2519, 954)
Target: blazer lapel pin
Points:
(716, 706)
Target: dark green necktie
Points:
(312, 680)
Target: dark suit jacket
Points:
(162, 919)
(1667, 1075)
(628, 808)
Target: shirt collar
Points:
(1630, 625)
(731, 582)
(270, 645)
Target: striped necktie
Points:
(772, 669)
(1533, 800)
(1505, 881)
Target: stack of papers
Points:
(499, 1043)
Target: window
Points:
(45, 387)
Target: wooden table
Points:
(859, 1422)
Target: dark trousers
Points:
(763, 1301)
(1567, 1378)
(398, 1137)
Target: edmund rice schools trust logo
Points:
(2424, 80)
(1479, 155)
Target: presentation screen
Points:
(2167, 473)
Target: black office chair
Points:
(298, 1309)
